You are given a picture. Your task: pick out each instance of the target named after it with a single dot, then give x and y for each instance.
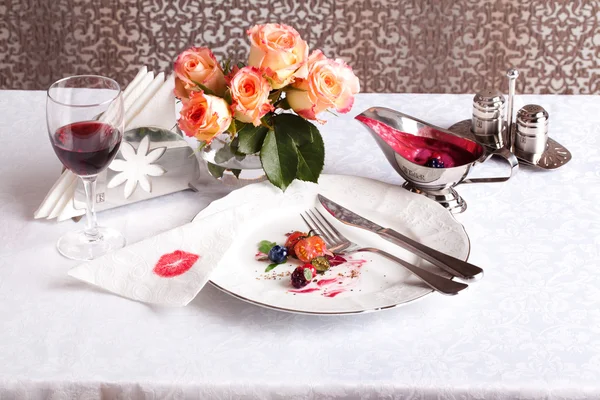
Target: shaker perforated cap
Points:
(488, 104)
(532, 115)
(488, 98)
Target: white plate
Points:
(380, 283)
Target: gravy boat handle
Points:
(509, 158)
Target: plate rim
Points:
(332, 313)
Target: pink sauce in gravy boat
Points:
(409, 144)
(432, 160)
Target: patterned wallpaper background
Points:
(450, 46)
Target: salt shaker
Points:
(488, 118)
(531, 135)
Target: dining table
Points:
(530, 329)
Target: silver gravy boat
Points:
(394, 132)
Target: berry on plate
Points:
(302, 275)
(278, 254)
(311, 268)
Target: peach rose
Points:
(250, 95)
(198, 65)
(279, 51)
(204, 116)
(330, 84)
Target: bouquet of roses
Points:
(250, 102)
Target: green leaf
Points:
(204, 89)
(309, 145)
(311, 157)
(270, 267)
(279, 158)
(251, 138)
(236, 172)
(228, 98)
(265, 246)
(227, 66)
(299, 129)
(234, 146)
(241, 65)
(215, 170)
(232, 127)
(274, 95)
(224, 154)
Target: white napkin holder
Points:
(178, 162)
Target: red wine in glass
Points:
(86, 148)
(85, 117)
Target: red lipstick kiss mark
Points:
(175, 263)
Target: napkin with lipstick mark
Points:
(170, 268)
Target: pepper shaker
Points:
(531, 136)
(488, 118)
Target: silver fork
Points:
(338, 243)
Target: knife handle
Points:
(452, 265)
(434, 281)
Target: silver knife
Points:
(460, 269)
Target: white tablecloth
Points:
(529, 329)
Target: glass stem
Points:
(91, 230)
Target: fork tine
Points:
(315, 227)
(330, 226)
(310, 227)
(324, 228)
(332, 241)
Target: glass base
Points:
(78, 246)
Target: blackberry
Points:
(301, 277)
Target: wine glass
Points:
(85, 124)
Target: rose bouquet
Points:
(252, 103)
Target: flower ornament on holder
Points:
(136, 167)
(248, 106)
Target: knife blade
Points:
(459, 268)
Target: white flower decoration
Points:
(136, 167)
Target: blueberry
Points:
(434, 163)
(278, 254)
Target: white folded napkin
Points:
(148, 101)
(135, 84)
(159, 110)
(53, 196)
(170, 268)
(144, 98)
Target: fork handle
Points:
(452, 265)
(436, 282)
